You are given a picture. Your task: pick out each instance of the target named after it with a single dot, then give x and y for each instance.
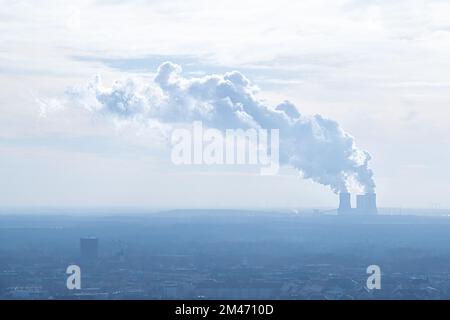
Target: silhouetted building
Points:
(89, 249)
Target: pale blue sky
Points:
(379, 68)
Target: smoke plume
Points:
(316, 146)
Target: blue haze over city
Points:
(353, 96)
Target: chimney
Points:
(344, 203)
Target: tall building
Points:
(89, 249)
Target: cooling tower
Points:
(361, 202)
(366, 203)
(344, 203)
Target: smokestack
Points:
(344, 203)
(367, 203)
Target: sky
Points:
(378, 68)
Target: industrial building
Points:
(365, 204)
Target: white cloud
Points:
(368, 64)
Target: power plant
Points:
(365, 204)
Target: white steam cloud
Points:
(317, 147)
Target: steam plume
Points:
(317, 147)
